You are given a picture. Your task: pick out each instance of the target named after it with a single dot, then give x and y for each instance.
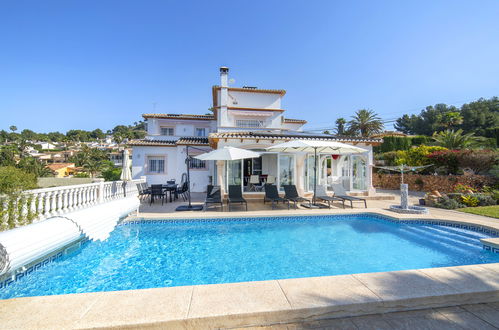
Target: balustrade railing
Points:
(39, 204)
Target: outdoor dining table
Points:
(172, 188)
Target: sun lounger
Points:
(291, 194)
(271, 194)
(340, 192)
(213, 196)
(321, 195)
(236, 196)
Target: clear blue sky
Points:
(88, 64)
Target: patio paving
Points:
(255, 204)
(478, 316)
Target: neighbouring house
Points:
(62, 170)
(248, 118)
(46, 145)
(117, 157)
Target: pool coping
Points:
(264, 302)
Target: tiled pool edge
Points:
(259, 303)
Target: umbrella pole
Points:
(315, 174)
(189, 207)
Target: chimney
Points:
(222, 112)
(224, 76)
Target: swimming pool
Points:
(152, 254)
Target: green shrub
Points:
(81, 175)
(14, 180)
(485, 200)
(445, 202)
(112, 174)
(394, 143)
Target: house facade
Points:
(249, 118)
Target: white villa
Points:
(248, 118)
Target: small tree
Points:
(451, 139)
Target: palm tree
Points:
(366, 123)
(451, 139)
(450, 119)
(340, 126)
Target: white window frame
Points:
(167, 127)
(147, 163)
(205, 131)
(251, 123)
(205, 168)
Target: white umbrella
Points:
(126, 174)
(316, 146)
(228, 153)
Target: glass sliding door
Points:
(359, 173)
(233, 174)
(309, 172)
(286, 170)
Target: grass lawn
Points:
(488, 211)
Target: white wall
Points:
(139, 163)
(175, 166)
(182, 127)
(254, 100)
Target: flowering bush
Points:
(469, 200)
(446, 159)
(479, 161)
(462, 188)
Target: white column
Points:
(220, 175)
(300, 173)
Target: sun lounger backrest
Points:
(271, 191)
(235, 191)
(339, 190)
(209, 188)
(215, 193)
(321, 191)
(290, 191)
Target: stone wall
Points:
(442, 183)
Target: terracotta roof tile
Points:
(58, 166)
(289, 136)
(178, 116)
(188, 140)
(294, 121)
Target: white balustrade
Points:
(44, 203)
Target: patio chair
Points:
(157, 191)
(182, 191)
(143, 190)
(271, 194)
(254, 183)
(213, 196)
(321, 195)
(270, 179)
(236, 196)
(291, 194)
(340, 192)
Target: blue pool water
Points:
(152, 255)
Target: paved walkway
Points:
(479, 316)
